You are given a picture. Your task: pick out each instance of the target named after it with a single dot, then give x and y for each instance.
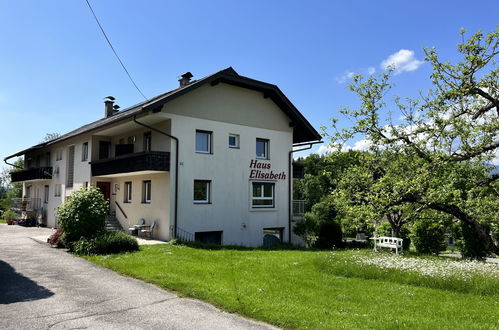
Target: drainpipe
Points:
(290, 196)
(176, 170)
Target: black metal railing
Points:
(182, 235)
(140, 161)
(119, 207)
(37, 173)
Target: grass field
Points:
(3, 221)
(312, 290)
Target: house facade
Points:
(208, 161)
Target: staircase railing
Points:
(119, 207)
(182, 235)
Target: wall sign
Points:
(263, 171)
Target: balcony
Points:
(38, 173)
(136, 162)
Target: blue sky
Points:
(56, 68)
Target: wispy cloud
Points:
(371, 70)
(347, 75)
(402, 61)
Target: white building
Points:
(210, 160)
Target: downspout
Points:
(290, 197)
(175, 217)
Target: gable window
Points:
(84, 152)
(203, 142)
(262, 148)
(146, 192)
(202, 191)
(46, 194)
(263, 195)
(147, 141)
(127, 198)
(233, 141)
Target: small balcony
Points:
(38, 173)
(135, 162)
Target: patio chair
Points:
(135, 229)
(148, 230)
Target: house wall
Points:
(229, 110)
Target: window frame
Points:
(46, 191)
(57, 190)
(127, 192)
(146, 192)
(207, 191)
(147, 141)
(210, 144)
(84, 151)
(267, 148)
(236, 136)
(262, 196)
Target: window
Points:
(262, 148)
(58, 155)
(147, 141)
(146, 192)
(47, 159)
(70, 167)
(203, 142)
(131, 140)
(263, 195)
(57, 190)
(84, 152)
(85, 184)
(46, 194)
(202, 191)
(233, 141)
(128, 193)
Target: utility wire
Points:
(114, 51)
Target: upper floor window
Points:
(147, 141)
(127, 198)
(58, 154)
(46, 194)
(57, 190)
(203, 142)
(262, 148)
(233, 141)
(70, 167)
(202, 191)
(47, 159)
(84, 152)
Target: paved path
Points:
(46, 288)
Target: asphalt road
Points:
(46, 288)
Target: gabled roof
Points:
(302, 132)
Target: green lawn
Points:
(302, 289)
(3, 221)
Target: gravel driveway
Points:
(46, 288)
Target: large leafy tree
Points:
(436, 156)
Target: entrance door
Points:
(105, 188)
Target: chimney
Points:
(185, 79)
(109, 106)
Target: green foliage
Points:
(9, 215)
(330, 236)
(431, 152)
(82, 215)
(106, 243)
(428, 236)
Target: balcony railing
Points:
(298, 208)
(38, 173)
(26, 204)
(140, 161)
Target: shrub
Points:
(9, 215)
(106, 243)
(82, 215)
(330, 236)
(428, 236)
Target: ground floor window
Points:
(272, 236)
(128, 193)
(146, 191)
(263, 194)
(209, 237)
(46, 194)
(202, 191)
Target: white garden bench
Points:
(388, 242)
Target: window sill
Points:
(146, 202)
(201, 202)
(204, 152)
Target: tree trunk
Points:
(459, 214)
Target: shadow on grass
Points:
(15, 287)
